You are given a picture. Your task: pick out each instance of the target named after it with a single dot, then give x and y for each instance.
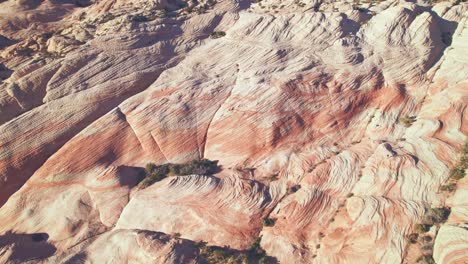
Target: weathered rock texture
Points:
(311, 92)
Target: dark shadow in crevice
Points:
(245, 4)
(5, 42)
(79, 258)
(5, 73)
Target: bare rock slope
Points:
(336, 125)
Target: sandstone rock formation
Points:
(339, 120)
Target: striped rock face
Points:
(338, 121)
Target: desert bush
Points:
(157, 173)
(138, 18)
(407, 121)
(426, 259)
(217, 34)
(268, 221)
(449, 187)
(226, 255)
(24, 51)
(422, 228)
(294, 188)
(150, 167)
(436, 215)
(199, 167)
(151, 179)
(426, 239)
(427, 247)
(273, 177)
(457, 173)
(413, 238)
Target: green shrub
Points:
(217, 34)
(138, 18)
(226, 255)
(294, 188)
(157, 173)
(457, 173)
(422, 228)
(436, 215)
(268, 221)
(407, 121)
(149, 180)
(273, 177)
(150, 167)
(449, 187)
(426, 259)
(255, 249)
(427, 247)
(413, 238)
(426, 239)
(24, 51)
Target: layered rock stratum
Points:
(340, 120)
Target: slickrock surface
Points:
(314, 93)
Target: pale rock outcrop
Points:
(301, 105)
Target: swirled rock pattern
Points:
(301, 102)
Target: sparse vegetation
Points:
(407, 121)
(294, 188)
(217, 34)
(24, 51)
(448, 187)
(458, 171)
(432, 217)
(138, 18)
(413, 238)
(215, 255)
(157, 173)
(426, 259)
(273, 177)
(422, 228)
(426, 239)
(268, 221)
(257, 253)
(436, 215)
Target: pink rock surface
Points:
(312, 94)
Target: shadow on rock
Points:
(23, 247)
(130, 176)
(5, 73)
